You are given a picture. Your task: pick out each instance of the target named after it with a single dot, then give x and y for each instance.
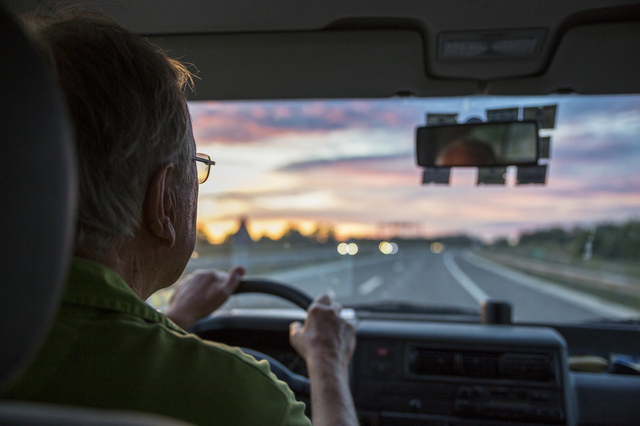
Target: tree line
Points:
(605, 240)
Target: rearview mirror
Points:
(478, 144)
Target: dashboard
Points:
(426, 373)
(445, 374)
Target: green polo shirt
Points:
(109, 349)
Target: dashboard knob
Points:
(496, 312)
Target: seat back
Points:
(37, 198)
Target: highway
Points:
(454, 278)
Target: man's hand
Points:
(201, 293)
(325, 336)
(327, 342)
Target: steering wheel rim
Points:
(300, 385)
(264, 286)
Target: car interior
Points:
(411, 367)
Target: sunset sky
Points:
(350, 164)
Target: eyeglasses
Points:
(203, 163)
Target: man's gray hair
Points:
(129, 112)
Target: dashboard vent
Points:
(480, 364)
(432, 363)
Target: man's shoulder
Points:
(227, 357)
(243, 388)
(176, 349)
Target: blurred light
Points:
(343, 248)
(394, 248)
(388, 248)
(437, 248)
(352, 249)
(194, 255)
(385, 247)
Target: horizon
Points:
(306, 233)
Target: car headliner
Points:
(375, 49)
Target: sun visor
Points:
(308, 65)
(590, 59)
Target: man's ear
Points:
(159, 205)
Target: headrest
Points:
(38, 190)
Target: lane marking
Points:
(465, 282)
(573, 297)
(370, 285)
(308, 271)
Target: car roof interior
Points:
(363, 49)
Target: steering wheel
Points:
(300, 385)
(292, 294)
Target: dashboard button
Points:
(415, 405)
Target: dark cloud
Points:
(576, 108)
(293, 215)
(591, 190)
(357, 163)
(250, 196)
(610, 150)
(251, 121)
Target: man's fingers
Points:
(323, 302)
(237, 272)
(223, 283)
(235, 276)
(294, 327)
(323, 299)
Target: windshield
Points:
(326, 196)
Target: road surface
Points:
(453, 278)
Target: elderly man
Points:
(136, 230)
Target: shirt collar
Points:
(94, 285)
